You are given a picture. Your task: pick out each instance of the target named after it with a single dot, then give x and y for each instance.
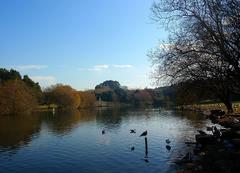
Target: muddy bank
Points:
(216, 149)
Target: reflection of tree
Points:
(16, 131)
(64, 121)
(110, 118)
(196, 119)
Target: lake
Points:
(72, 141)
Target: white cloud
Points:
(44, 80)
(96, 68)
(106, 66)
(30, 67)
(122, 66)
(103, 66)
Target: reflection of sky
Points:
(81, 147)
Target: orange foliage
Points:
(16, 97)
(64, 96)
(87, 98)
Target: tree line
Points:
(20, 94)
(112, 91)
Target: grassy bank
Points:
(207, 107)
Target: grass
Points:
(211, 106)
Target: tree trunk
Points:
(228, 105)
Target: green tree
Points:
(111, 91)
(9, 75)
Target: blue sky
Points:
(79, 42)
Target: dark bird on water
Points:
(133, 131)
(103, 132)
(202, 132)
(132, 148)
(168, 141)
(144, 134)
(146, 160)
(168, 147)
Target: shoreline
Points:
(219, 149)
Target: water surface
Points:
(72, 141)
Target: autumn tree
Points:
(62, 95)
(16, 97)
(204, 44)
(6, 75)
(34, 86)
(87, 98)
(142, 98)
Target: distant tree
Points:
(16, 97)
(164, 96)
(9, 75)
(62, 95)
(31, 83)
(142, 98)
(34, 86)
(105, 94)
(87, 98)
(111, 91)
(109, 84)
(6, 75)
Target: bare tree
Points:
(204, 44)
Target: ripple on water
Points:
(75, 143)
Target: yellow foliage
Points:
(87, 98)
(16, 97)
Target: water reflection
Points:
(64, 122)
(75, 138)
(17, 131)
(110, 119)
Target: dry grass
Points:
(212, 106)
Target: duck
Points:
(132, 148)
(168, 147)
(144, 133)
(103, 132)
(168, 141)
(133, 131)
(146, 160)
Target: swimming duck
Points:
(133, 131)
(168, 141)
